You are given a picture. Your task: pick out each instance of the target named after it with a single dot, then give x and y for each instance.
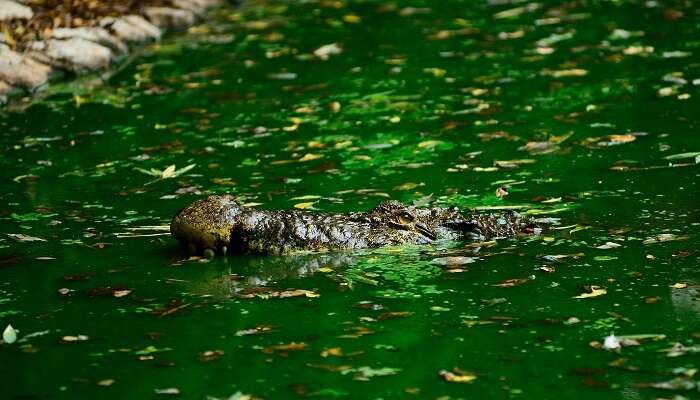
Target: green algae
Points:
(427, 101)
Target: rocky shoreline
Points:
(40, 39)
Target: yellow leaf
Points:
(567, 73)
(622, 138)
(552, 200)
(595, 292)
(351, 18)
(429, 144)
(407, 186)
(310, 157)
(315, 144)
(168, 172)
(335, 106)
(303, 206)
(305, 110)
(501, 192)
(457, 376)
(307, 197)
(333, 351)
(436, 72)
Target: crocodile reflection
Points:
(220, 224)
(262, 274)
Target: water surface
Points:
(586, 111)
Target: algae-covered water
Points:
(585, 112)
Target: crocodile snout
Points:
(204, 227)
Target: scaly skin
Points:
(220, 224)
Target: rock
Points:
(167, 17)
(196, 6)
(93, 34)
(5, 89)
(132, 28)
(74, 54)
(18, 70)
(10, 10)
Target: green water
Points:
(425, 98)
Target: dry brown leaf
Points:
(512, 282)
(285, 348)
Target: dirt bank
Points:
(42, 38)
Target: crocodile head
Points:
(399, 216)
(205, 226)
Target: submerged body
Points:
(220, 224)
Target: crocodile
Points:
(220, 224)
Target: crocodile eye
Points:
(405, 218)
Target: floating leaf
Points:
(502, 191)
(610, 140)
(430, 144)
(680, 156)
(664, 237)
(565, 72)
(408, 186)
(612, 343)
(334, 351)
(25, 238)
(457, 376)
(297, 293)
(306, 197)
(594, 291)
(394, 315)
(121, 293)
(76, 338)
(9, 335)
(285, 348)
(265, 293)
(168, 391)
(304, 206)
(255, 331)
(678, 349)
(325, 51)
(310, 157)
(366, 373)
(151, 349)
(169, 172)
(608, 245)
(512, 282)
(210, 355)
